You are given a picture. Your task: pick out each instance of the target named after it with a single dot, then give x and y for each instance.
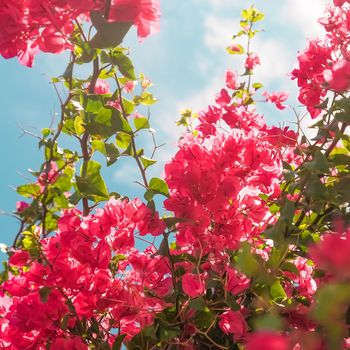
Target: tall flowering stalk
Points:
(258, 214)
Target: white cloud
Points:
(276, 60)
(218, 31)
(303, 15)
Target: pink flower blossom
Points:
(338, 77)
(231, 80)
(277, 98)
(192, 285)
(252, 61)
(145, 14)
(325, 257)
(267, 341)
(236, 282)
(20, 206)
(232, 322)
(101, 87)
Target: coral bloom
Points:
(232, 322)
(267, 341)
(192, 285)
(338, 77)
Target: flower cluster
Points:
(325, 65)
(88, 271)
(254, 263)
(30, 26)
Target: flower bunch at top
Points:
(30, 26)
(325, 64)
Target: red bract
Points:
(232, 322)
(101, 87)
(79, 269)
(338, 77)
(143, 13)
(231, 80)
(267, 341)
(314, 74)
(277, 98)
(192, 285)
(332, 254)
(252, 61)
(215, 179)
(32, 25)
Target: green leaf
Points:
(257, 86)
(156, 186)
(287, 211)
(91, 184)
(128, 106)
(252, 15)
(123, 140)
(123, 63)
(29, 241)
(204, 319)
(315, 188)
(159, 185)
(319, 163)
(109, 34)
(29, 191)
(44, 293)
(277, 292)
(118, 342)
(198, 304)
(84, 53)
(146, 99)
(46, 132)
(269, 322)
(103, 121)
(290, 267)
(141, 123)
(109, 150)
(147, 162)
(246, 261)
(79, 125)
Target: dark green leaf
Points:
(118, 342)
(123, 63)
(277, 292)
(44, 293)
(91, 184)
(109, 34)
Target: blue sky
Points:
(186, 61)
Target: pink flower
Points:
(339, 2)
(192, 285)
(19, 258)
(231, 80)
(145, 14)
(20, 206)
(101, 87)
(129, 86)
(232, 322)
(267, 341)
(252, 61)
(332, 253)
(74, 343)
(223, 98)
(236, 283)
(338, 77)
(277, 98)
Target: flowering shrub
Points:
(255, 238)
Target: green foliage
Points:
(90, 183)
